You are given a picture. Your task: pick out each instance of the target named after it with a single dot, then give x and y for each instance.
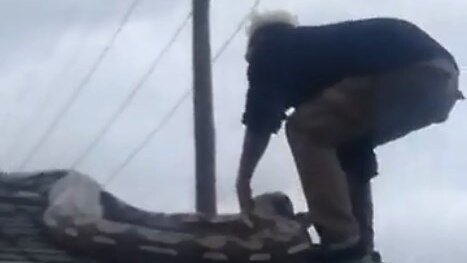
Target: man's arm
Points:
(254, 145)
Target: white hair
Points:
(258, 20)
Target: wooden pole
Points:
(203, 111)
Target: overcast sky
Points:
(48, 46)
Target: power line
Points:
(18, 98)
(40, 109)
(76, 93)
(236, 31)
(149, 137)
(177, 105)
(130, 97)
(45, 101)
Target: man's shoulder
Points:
(362, 23)
(354, 28)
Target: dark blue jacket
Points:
(296, 64)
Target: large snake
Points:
(82, 218)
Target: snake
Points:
(80, 217)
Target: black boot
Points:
(356, 252)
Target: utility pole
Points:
(203, 111)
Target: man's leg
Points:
(408, 99)
(359, 163)
(362, 204)
(314, 131)
(326, 190)
(386, 106)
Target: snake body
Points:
(117, 232)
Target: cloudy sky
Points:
(47, 47)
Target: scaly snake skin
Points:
(127, 234)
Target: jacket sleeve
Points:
(267, 76)
(265, 107)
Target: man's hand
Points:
(244, 194)
(254, 146)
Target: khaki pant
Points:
(358, 160)
(385, 107)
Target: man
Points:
(353, 86)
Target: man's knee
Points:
(321, 132)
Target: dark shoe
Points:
(376, 257)
(356, 252)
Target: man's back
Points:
(324, 55)
(364, 45)
(297, 64)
